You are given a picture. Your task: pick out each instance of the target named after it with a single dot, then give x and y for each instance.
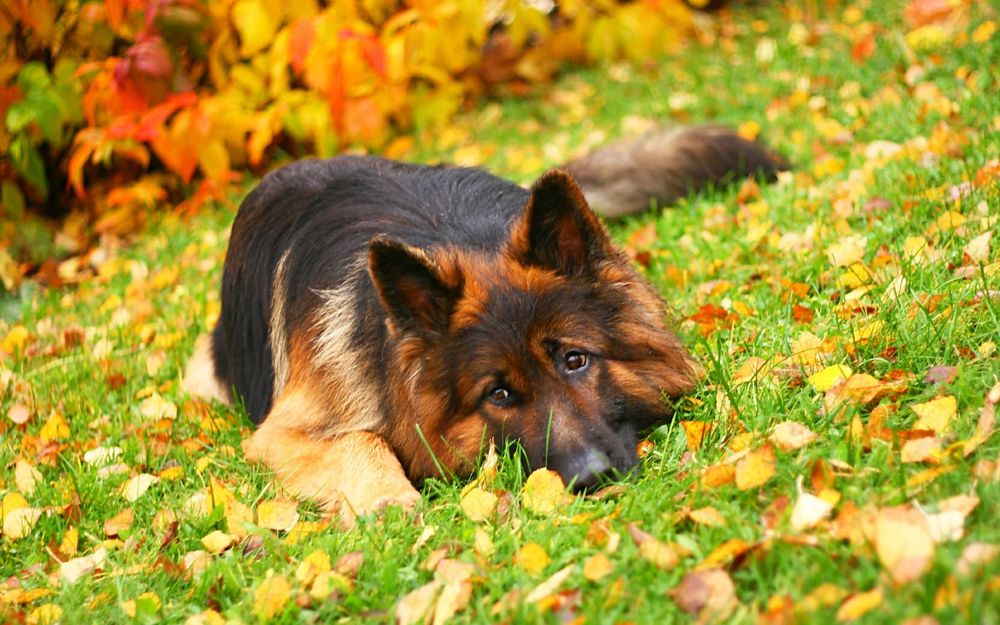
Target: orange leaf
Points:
(755, 469)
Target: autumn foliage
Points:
(100, 99)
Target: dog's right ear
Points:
(411, 287)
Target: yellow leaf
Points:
(256, 25)
(18, 522)
(270, 597)
(708, 516)
(724, 554)
(311, 566)
(936, 414)
(755, 469)
(532, 558)
(119, 523)
(694, 432)
(859, 604)
(205, 617)
(26, 477)
(137, 485)
(483, 543)
(544, 492)
(454, 597)
(416, 605)
(550, 585)
(718, 475)
(926, 449)
(217, 542)
(867, 332)
(903, 543)
(69, 542)
(151, 599)
(789, 435)
(847, 251)
(46, 614)
(984, 32)
(14, 339)
(478, 504)
(597, 566)
(55, 429)
(749, 130)
(280, 516)
(825, 380)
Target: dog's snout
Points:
(584, 470)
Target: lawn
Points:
(836, 464)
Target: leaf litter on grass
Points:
(839, 463)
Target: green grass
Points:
(167, 284)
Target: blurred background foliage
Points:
(115, 107)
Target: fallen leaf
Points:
(709, 595)
(926, 449)
(102, 456)
(311, 566)
(975, 556)
(26, 477)
(532, 558)
(694, 432)
(790, 435)
(18, 523)
(416, 604)
(724, 554)
(46, 614)
(544, 492)
(478, 504)
(217, 541)
(809, 510)
(137, 485)
(206, 617)
(707, 516)
(718, 475)
(859, 604)
(986, 424)
(756, 468)
(55, 429)
(654, 551)
(903, 543)
(596, 567)
(277, 515)
(550, 585)
(119, 523)
(271, 596)
(72, 570)
(936, 414)
(824, 380)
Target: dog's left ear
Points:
(558, 230)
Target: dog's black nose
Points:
(584, 470)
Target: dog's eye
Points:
(576, 361)
(499, 395)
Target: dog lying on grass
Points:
(381, 322)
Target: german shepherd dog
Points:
(382, 321)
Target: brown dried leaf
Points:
(709, 595)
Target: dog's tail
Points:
(665, 165)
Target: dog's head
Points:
(555, 342)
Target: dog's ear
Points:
(411, 287)
(558, 230)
